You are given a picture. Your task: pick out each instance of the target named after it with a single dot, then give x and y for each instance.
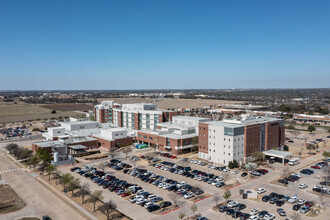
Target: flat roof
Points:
(190, 117)
(77, 147)
(78, 122)
(277, 153)
(43, 144)
(239, 122)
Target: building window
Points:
(224, 139)
(214, 151)
(228, 154)
(224, 153)
(210, 150)
(224, 146)
(224, 161)
(213, 144)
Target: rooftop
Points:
(277, 153)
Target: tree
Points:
(231, 165)
(181, 215)
(216, 198)
(102, 166)
(126, 151)
(194, 208)
(235, 163)
(285, 172)
(295, 216)
(73, 185)
(296, 133)
(325, 154)
(83, 191)
(258, 156)
(25, 155)
(227, 195)
(11, 147)
(311, 128)
(34, 161)
(226, 176)
(43, 166)
(107, 208)
(310, 147)
(65, 179)
(54, 112)
(49, 169)
(184, 162)
(44, 155)
(286, 148)
(112, 153)
(176, 199)
(96, 196)
(57, 175)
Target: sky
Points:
(164, 44)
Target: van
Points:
(294, 161)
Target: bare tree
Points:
(108, 208)
(176, 199)
(226, 176)
(181, 215)
(126, 150)
(296, 133)
(194, 208)
(102, 166)
(285, 172)
(216, 198)
(112, 153)
(295, 216)
(96, 196)
(184, 162)
(84, 190)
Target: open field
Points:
(69, 107)
(10, 112)
(174, 103)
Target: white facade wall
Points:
(79, 125)
(114, 133)
(56, 132)
(224, 148)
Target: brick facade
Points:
(251, 139)
(203, 139)
(111, 144)
(272, 135)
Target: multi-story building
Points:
(103, 112)
(237, 139)
(136, 116)
(140, 116)
(176, 137)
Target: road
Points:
(40, 201)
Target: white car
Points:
(301, 201)
(261, 190)
(293, 199)
(254, 212)
(235, 172)
(188, 195)
(297, 174)
(227, 169)
(254, 217)
(303, 185)
(269, 216)
(232, 204)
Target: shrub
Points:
(286, 148)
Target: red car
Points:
(125, 194)
(309, 203)
(264, 170)
(172, 157)
(316, 167)
(142, 156)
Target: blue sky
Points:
(159, 44)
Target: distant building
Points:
(137, 116)
(223, 141)
(175, 137)
(312, 119)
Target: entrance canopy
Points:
(278, 154)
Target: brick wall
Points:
(203, 138)
(251, 139)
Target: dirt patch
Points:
(9, 200)
(87, 205)
(28, 112)
(69, 107)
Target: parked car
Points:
(244, 174)
(296, 207)
(261, 190)
(305, 209)
(303, 185)
(283, 181)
